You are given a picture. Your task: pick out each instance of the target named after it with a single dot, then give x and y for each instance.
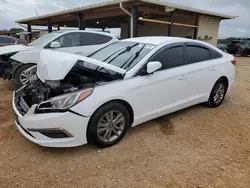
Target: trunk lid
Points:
(54, 65)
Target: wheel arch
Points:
(124, 103)
(21, 65)
(225, 79)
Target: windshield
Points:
(124, 55)
(43, 39)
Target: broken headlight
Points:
(64, 102)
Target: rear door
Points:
(82, 43)
(203, 66)
(92, 42)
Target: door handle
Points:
(78, 53)
(183, 77)
(213, 68)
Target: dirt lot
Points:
(196, 147)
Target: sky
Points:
(11, 10)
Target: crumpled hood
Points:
(54, 65)
(14, 48)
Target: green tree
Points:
(16, 30)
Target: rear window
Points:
(214, 54)
(242, 42)
(234, 42)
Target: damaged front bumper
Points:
(65, 129)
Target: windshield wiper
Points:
(136, 55)
(127, 49)
(111, 75)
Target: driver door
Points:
(70, 43)
(164, 91)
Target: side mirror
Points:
(55, 45)
(153, 66)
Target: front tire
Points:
(108, 125)
(218, 93)
(22, 76)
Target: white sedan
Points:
(95, 99)
(16, 61)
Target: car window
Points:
(170, 58)
(70, 40)
(43, 39)
(94, 39)
(5, 40)
(215, 54)
(197, 54)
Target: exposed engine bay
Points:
(79, 78)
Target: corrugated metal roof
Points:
(114, 2)
(182, 7)
(78, 9)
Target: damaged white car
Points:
(16, 61)
(78, 100)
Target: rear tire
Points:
(244, 54)
(20, 74)
(108, 125)
(218, 93)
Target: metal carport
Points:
(132, 16)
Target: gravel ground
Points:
(196, 147)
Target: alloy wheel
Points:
(219, 93)
(111, 126)
(28, 75)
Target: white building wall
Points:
(209, 26)
(206, 26)
(156, 29)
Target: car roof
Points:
(82, 31)
(158, 40)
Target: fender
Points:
(26, 57)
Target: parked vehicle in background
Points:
(241, 47)
(7, 40)
(16, 61)
(222, 47)
(95, 99)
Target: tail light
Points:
(238, 47)
(233, 62)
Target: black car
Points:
(241, 47)
(222, 47)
